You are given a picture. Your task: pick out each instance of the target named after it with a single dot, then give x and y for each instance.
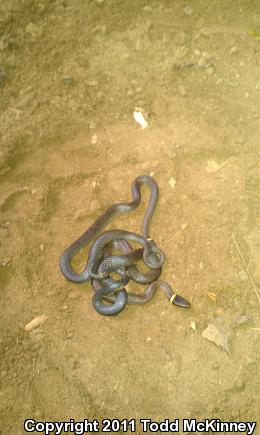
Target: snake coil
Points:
(110, 295)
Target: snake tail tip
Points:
(179, 301)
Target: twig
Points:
(246, 268)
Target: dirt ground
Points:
(71, 75)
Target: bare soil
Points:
(71, 75)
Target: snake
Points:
(110, 295)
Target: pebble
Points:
(172, 182)
(193, 326)
(42, 246)
(148, 339)
(93, 139)
(35, 323)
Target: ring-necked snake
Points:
(110, 296)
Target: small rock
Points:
(35, 323)
(93, 139)
(140, 119)
(193, 326)
(42, 246)
(148, 339)
(172, 182)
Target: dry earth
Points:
(71, 74)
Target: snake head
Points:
(153, 256)
(179, 301)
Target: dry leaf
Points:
(213, 334)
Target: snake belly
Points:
(110, 295)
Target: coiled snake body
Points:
(102, 262)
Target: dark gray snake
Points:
(110, 296)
